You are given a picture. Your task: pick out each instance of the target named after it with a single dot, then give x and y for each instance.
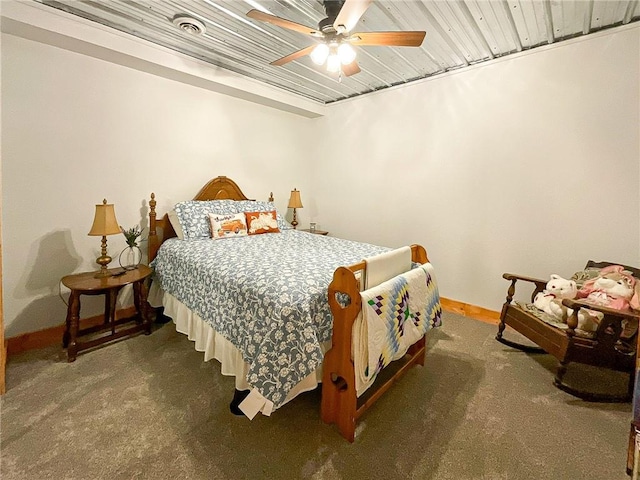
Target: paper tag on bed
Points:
(252, 404)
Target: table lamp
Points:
(295, 202)
(104, 223)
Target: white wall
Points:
(527, 165)
(77, 130)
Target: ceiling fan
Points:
(334, 36)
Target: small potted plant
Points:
(131, 256)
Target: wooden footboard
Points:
(339, 400)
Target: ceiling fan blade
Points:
(397, 39)
(350, 69)
(293, 56)
(281, 22)
(350, 13)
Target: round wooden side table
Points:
(88, 284)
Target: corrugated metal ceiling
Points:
(459, 33)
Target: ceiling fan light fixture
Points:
(320, 53)
(333, 63)
(335, 47)
(346, 53)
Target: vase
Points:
(130, 258)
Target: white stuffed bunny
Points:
(550, 302)
(557, 288)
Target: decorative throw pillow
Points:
(225, 226)
(262, 222)
(259, 206)
(194, 216)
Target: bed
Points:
(276, 310)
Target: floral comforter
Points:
(266, 294)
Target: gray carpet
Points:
(149, 408)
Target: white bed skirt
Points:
(214, 345)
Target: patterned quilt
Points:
(266, 294)
(395, 315)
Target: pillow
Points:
(262, 222)
(175, 223)
(225, 226)
(193, 216)
(258, 206)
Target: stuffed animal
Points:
(615, 288)
(556, 289)
(550, 302)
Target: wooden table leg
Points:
(140, 301)
(110, 308)
(73, 314)
(107, 308)
(67, 327)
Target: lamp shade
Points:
(320, 53)
(294, 199)
(104, 221)
(346, 53)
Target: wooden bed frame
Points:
(340, 404)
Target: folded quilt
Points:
(395, 315)
(384, 266)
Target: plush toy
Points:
(556, 289)
(550, 302)
(615, 288)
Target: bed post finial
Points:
(152, 243)
(271, 197)
(152, 214)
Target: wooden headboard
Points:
(220, 188)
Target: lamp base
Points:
(103, 260)
(102, 273)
